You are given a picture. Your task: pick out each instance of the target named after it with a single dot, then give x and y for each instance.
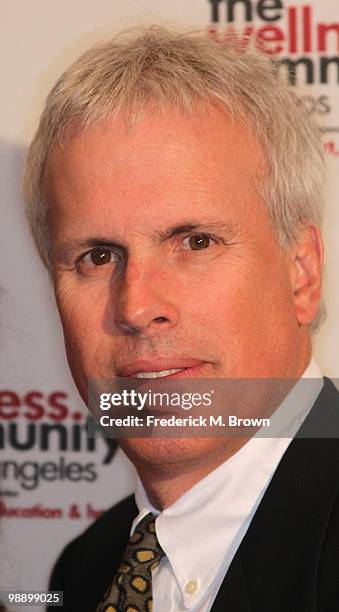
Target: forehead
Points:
(163, 159)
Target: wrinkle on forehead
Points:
(165, 137)
(166, 168)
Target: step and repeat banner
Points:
(55, 480)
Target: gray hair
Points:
(153, 67)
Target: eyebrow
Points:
(67, 248)
(209, 226)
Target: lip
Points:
(190, 367)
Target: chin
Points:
(164, 452)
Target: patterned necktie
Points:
(131, 590)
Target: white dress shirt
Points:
(201, 531)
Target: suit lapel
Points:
(101, 557)
(277, 562)
(233, 593)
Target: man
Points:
(174, 190)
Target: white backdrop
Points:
(54, 483)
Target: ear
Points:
(306, 261)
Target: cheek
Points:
(81, 311)
(78, 302)
(244, 312)
(223, 298)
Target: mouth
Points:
(160, 374)
(163, 368)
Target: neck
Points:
(164, 484)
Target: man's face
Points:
(164, 258)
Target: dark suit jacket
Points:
(288, 560)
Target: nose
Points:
(144, 300)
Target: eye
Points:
(198, 242)
(99, 257)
